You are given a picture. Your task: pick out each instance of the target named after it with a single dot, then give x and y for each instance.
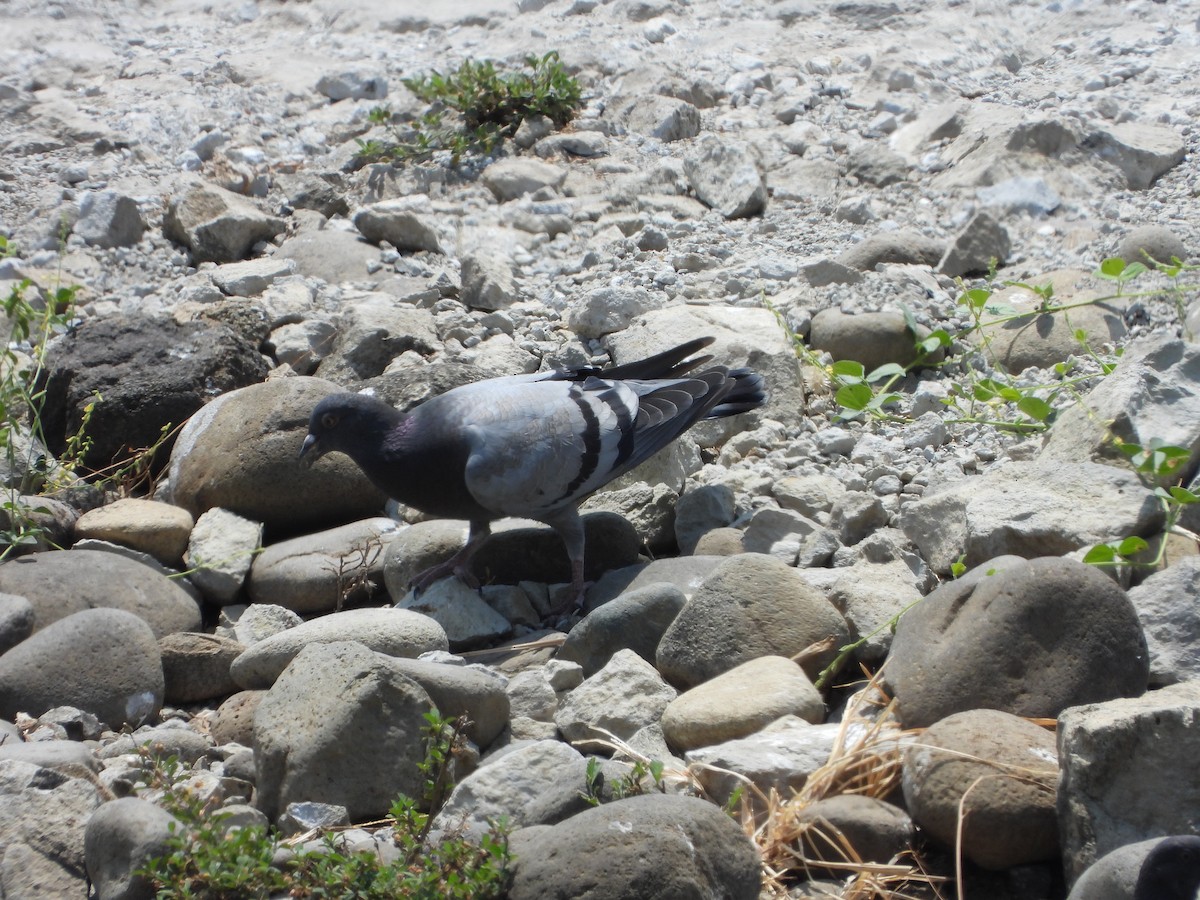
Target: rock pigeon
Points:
(532, 446)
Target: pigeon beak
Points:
(310, 451)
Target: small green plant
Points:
(33, 318)
(22, 366)
(1000, 400)
(631, 784)
(844, 652)
(1159, 463)
(474, 108)
(1119, 272)
(209, 859)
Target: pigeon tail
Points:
(669, 364)
(749, 392)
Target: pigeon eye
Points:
(329, 420)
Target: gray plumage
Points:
(532, 446)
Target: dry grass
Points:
(867, 759)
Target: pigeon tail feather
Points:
(748, 392)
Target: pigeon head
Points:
(349, 423)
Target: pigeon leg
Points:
(570, 528)
(458, 565)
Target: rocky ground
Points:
(754, 171)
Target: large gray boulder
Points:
(1031, 639)
(149, 372)
(240, 453)
(342, 726)
(63, 582)
(652, 847)
(1126, 768)
(103, 661)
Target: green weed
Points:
(1159, 464)
(474, 109)
(33, 319)
(213, 861)
(30, 325)
(632, 784)
(1000, 399)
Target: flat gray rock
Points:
(726, 176)
(873, 338)
(778, 757)
(1036, 508)
(394, 632)
(877, 831)
(63, 582)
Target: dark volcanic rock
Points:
(148, 373)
